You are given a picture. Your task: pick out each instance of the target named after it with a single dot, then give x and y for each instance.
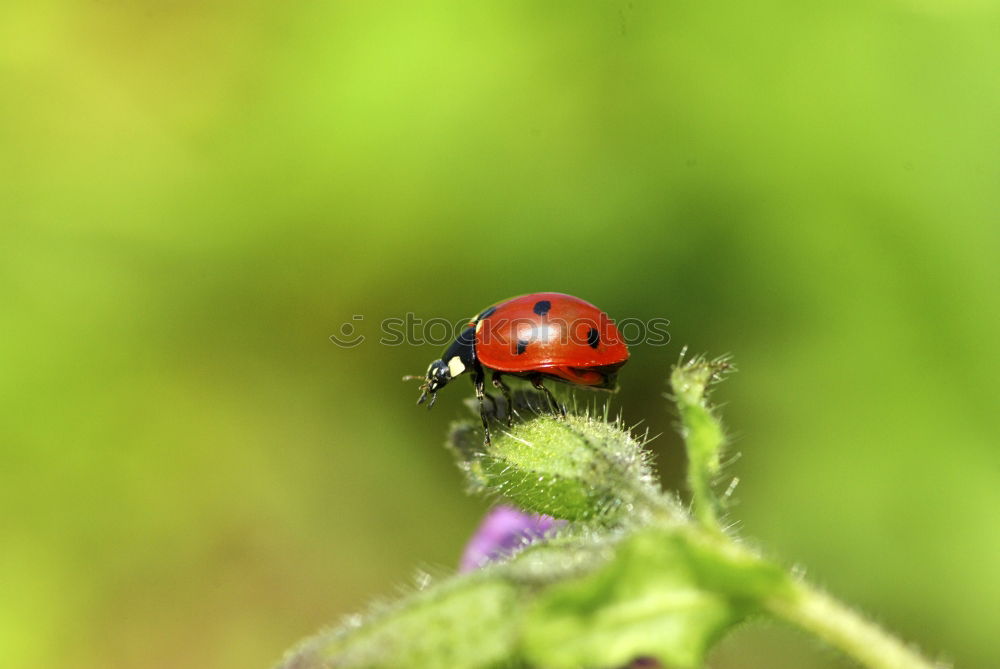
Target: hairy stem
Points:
(823, 616)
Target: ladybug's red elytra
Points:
(537, 336)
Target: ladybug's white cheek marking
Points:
(455, 367)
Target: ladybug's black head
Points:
(459, 357)
(438, 376)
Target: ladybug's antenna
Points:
(424, 389)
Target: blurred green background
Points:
(195, 195)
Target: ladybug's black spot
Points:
(486, 314)
(593, 338)
(521, 345)
(542, 307)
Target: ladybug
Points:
(538, 336)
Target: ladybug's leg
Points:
(536, 381)
(479, 380)
(503, 388)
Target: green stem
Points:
(823, 616)
(703, 442)
(703, 435)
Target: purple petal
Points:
(504, 529)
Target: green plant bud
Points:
(575, 468)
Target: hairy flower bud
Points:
(576, 467)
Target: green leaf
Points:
(664, 594)
(464, 623)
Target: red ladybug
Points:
(537, 336)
